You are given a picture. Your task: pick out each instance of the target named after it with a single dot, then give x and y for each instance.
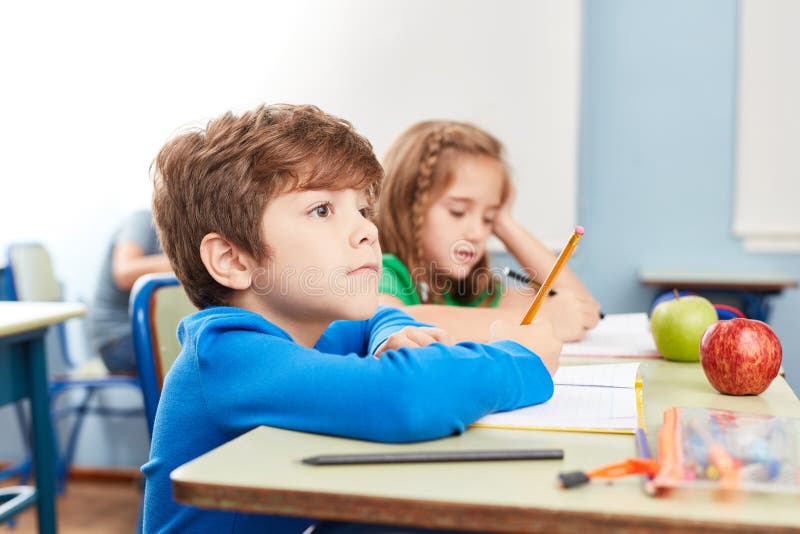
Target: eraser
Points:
(572, 479)
(579, 230)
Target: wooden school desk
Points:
(752, 290)
(261, 472)
(23, 373)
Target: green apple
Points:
(678, 326)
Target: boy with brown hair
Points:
(265, 217)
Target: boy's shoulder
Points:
(239, 317)
(218, 319)
(208, 326)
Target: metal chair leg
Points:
(72, 441)
(79, 410)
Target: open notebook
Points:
(620, 334)
(587, 398)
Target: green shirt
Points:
(396, 281)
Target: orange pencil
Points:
(560, 262)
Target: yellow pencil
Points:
(548, 282)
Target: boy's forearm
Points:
(386, 322)
(534, 256)
(440, 390)
(406, 395)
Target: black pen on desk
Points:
(435, 456)
(519, 277)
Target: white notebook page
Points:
(621, 334)
(586, 398)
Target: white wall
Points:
(92, 90)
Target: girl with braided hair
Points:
(446, 191)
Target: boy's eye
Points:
(457, 214)
(366, 212)
(322, 210)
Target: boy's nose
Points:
(366, 233)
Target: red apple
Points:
(740, 356)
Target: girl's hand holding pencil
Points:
(570, 314)
(561, 261)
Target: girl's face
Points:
(458, 224)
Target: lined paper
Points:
(617, 375)
(591, 398)
(621, 335)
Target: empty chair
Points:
(31, 278)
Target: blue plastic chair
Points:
(30, 277)
(158, 303)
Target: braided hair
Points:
(418, 167)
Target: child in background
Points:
(133, 252)
(446, 191)
(266, 218)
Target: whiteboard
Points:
(768, 127)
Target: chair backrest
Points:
(31, 273)
(158, 303)
(30, 277)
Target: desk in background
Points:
(261, 472)
(23, 373)
(752, 290)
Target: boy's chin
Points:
(360, 311)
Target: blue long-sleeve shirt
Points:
(238, 371)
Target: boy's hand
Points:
(570, 315)
(538, 336)
(414, 336)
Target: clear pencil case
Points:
(721, 449)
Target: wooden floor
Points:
(89, 507)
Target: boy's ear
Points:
(225, 262)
